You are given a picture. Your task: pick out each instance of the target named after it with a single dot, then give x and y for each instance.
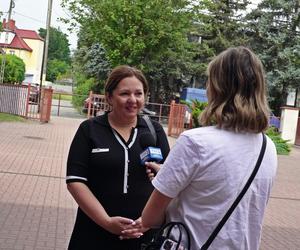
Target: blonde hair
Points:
(236, 92)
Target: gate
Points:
(96, 104)
(176, 119)
(23, 100)
(13, 99)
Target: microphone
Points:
(150, 153)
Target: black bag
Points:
(164, 241)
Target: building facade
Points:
(26, 44)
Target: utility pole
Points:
(46, 44)
(11, 6)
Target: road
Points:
(65, 109)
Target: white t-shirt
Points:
(204, 172)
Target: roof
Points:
(18, 41)
(28, 34)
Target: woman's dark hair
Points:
(236, 92)
(121, 72)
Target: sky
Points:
(32, 15)
(254, 3)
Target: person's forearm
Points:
(153, 214)
(88, 203)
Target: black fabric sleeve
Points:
(79, 155)
(162, 140)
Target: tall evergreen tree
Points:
(92, 62)
(219, 25)
(275, 36)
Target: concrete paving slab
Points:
(37, 212)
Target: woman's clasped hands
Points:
(133, 230)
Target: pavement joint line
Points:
(59, 177)
(38, 175)
(284, 198)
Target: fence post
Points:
(27, 100)
(90, 104)
(58, 107)
(46, 102)
(170, 121)
(160, 111)
(176, 119)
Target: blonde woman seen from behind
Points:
(208, 166)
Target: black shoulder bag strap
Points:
(150, 126)
(239, 197)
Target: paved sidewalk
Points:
(37, 212)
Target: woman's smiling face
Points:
(128, 98)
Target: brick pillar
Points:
(46, 102)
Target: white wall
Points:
(288, 123)
(9, 35)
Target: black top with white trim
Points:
(111, 168)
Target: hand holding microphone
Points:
(151, 169)
(151, 155)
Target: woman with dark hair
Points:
(208, 166)
(104, 171)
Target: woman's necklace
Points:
(124, 129)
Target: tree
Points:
(274, 31)
(14, 69)
(58, 53)
(221, 23)
(151, 35)
(56, 68)
(97, 64)
(91, 62)
(58, 45)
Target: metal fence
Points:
(14, 99)
(26, 101)
(95, 104)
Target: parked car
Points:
(94, 105)
(150, 113)
(34, 92)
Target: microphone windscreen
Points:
(147, 140)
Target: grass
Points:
(62, 97)
(11, 118)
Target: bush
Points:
(282, 146)
(196, 108)
(14, 69)
(82, 92)
(56, 68)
